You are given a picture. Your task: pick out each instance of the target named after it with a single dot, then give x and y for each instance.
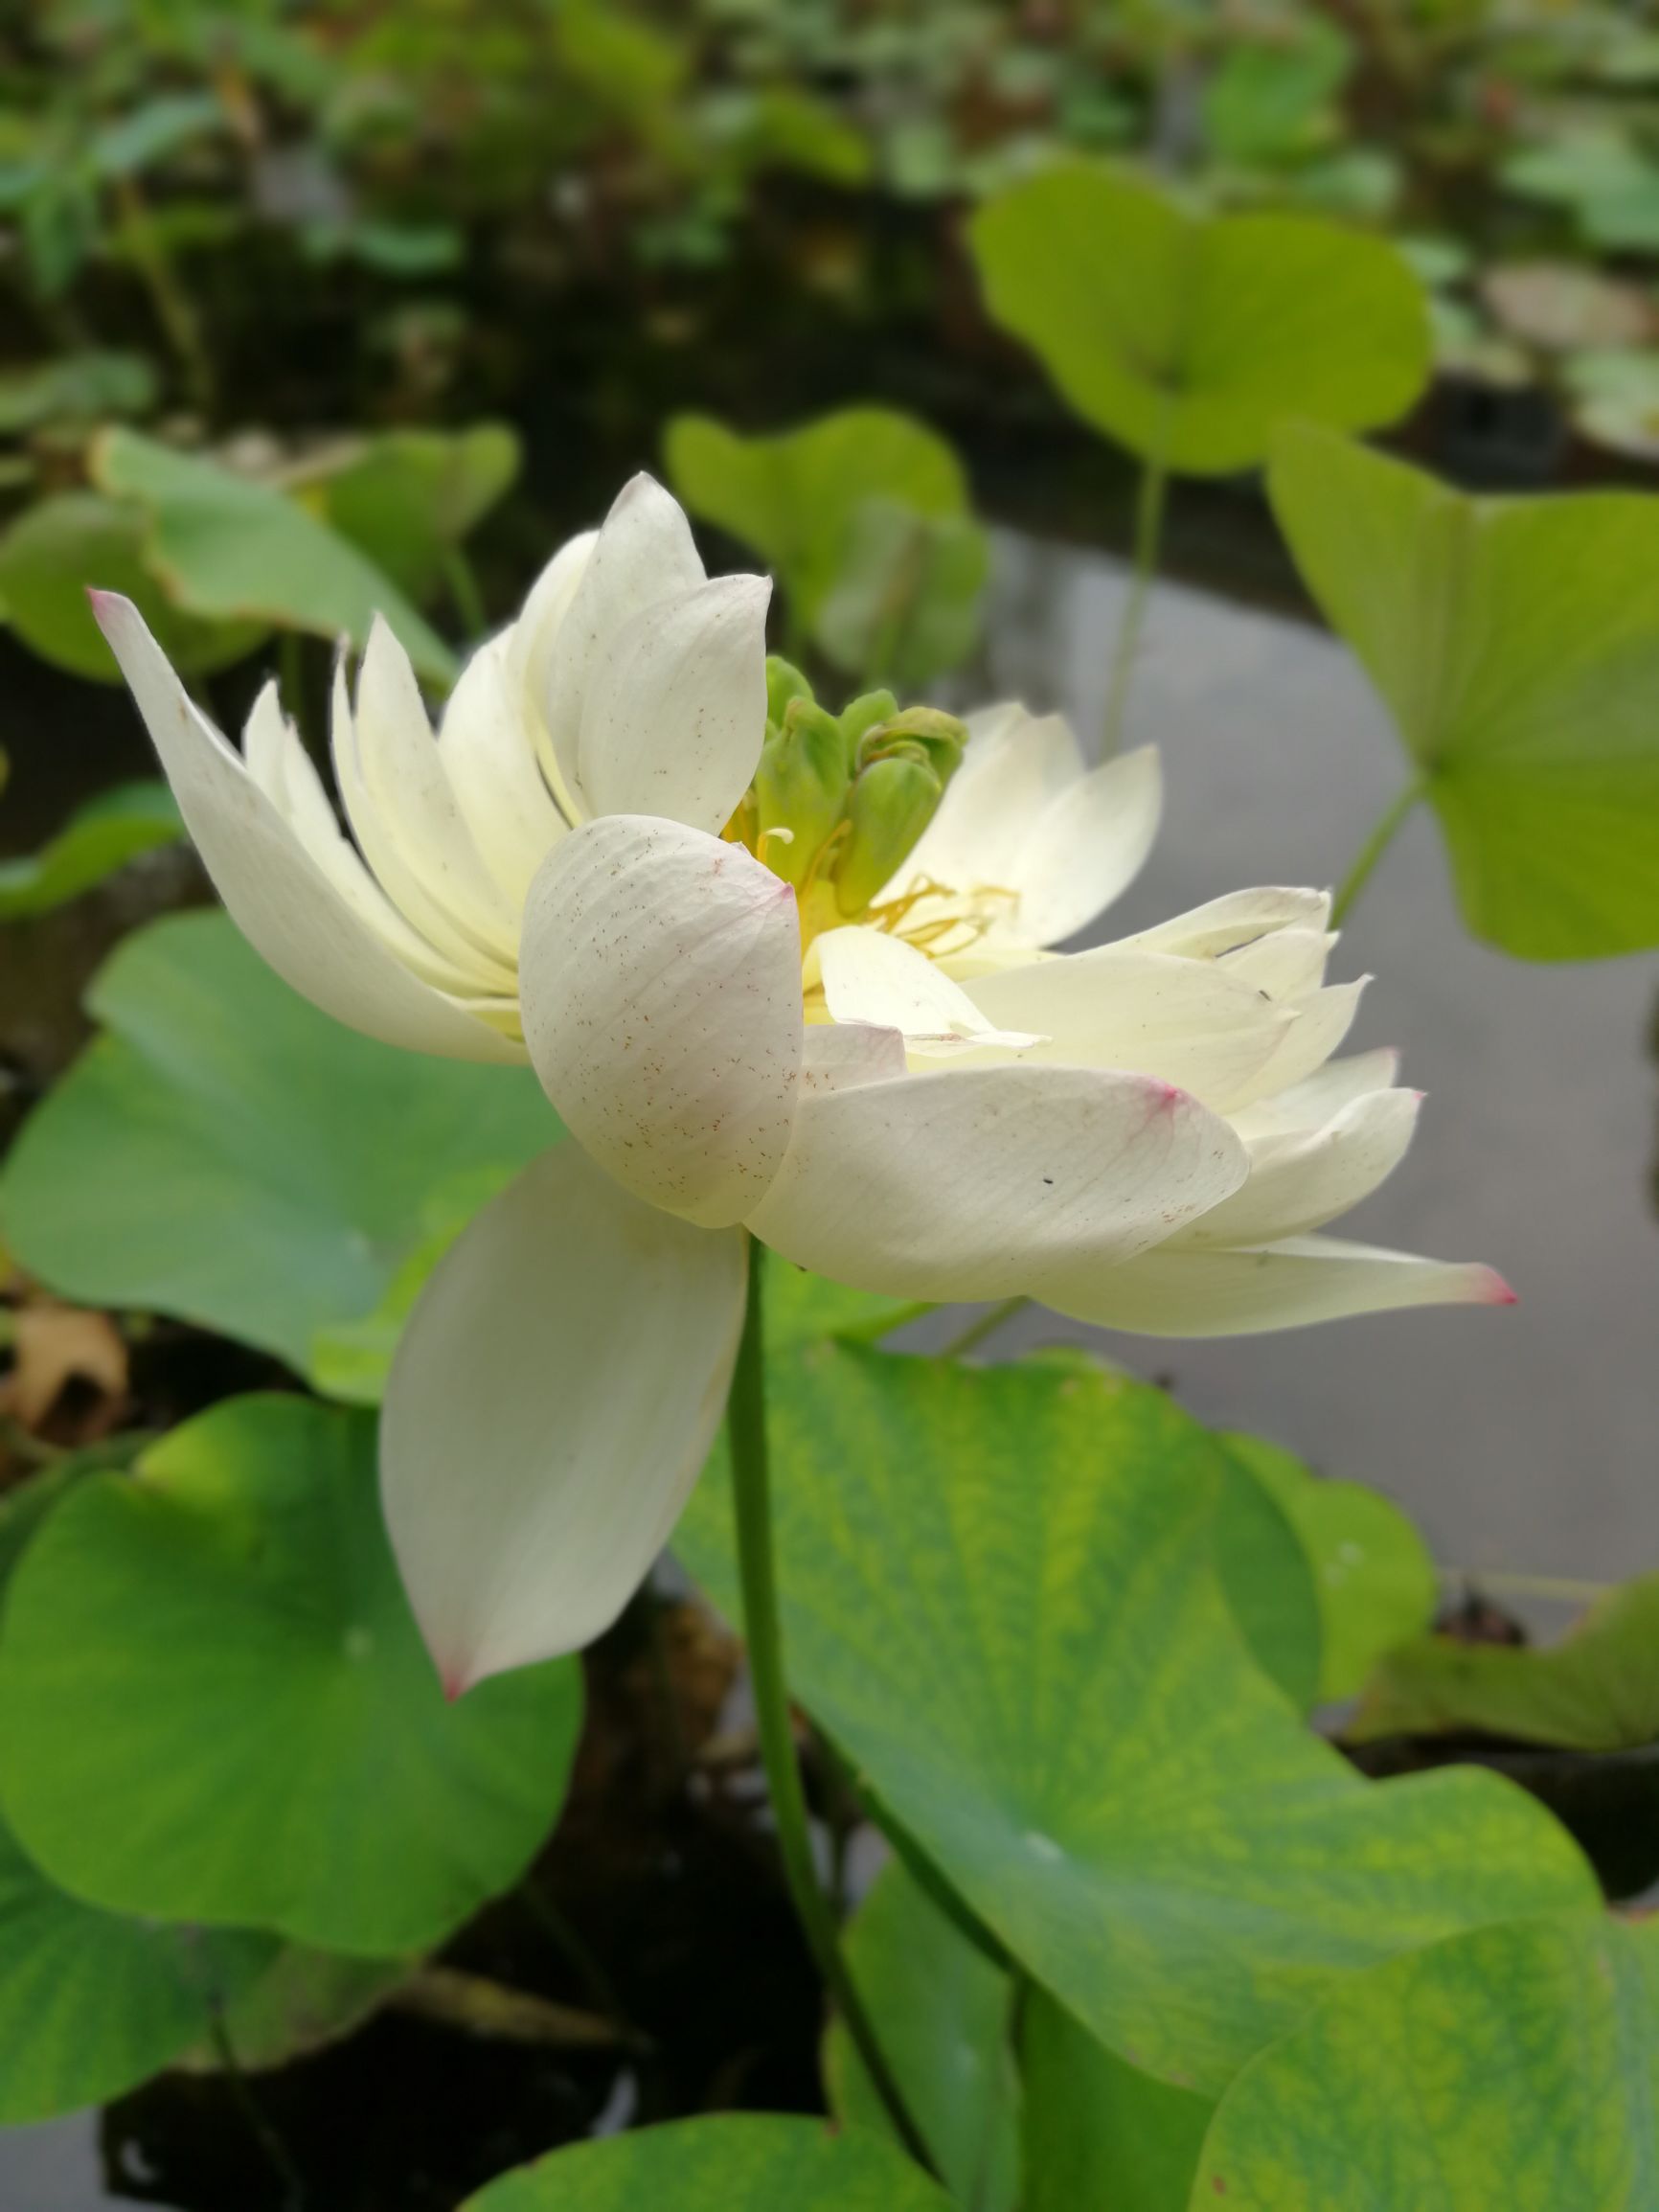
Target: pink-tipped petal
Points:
(982, 1182)
(282, 901)
(552, 1400)
(1190, 1291)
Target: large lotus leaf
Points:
(1000, 1599)
(216, 1704)
(226, 1153)
(76, 540)
(735, 2162)
(1516, 644)
(942, 2015)
(143, 1998)
(93, 2003)
(1372, 1575)
(1187, 337)
(795, 496)
(227, 547)
(1517, 2065)
(1597, 1690)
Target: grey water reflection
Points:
(51, 2168)
(1520, 1438)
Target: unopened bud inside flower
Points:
(863, 714)
(924, 734)
(839, 800)
(800, 788)
(784, 682)
(887, 810)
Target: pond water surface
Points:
(1523, 1438)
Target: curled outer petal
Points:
(1302, 1179)
(286, 906)
(1192, 1291)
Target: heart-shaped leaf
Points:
(216, 1704)
(1000, 1599)
(1516, 645)
(1516, 2065)
(794, 496)
(1187, 337)
(226, 1153)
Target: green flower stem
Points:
(1372, 851)
(1148, 536)
(751, 1492)
(262, 2130)
(175, 308)
(462, 579)
(896, 616)
(978, 1331)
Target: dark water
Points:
(1521, 1440)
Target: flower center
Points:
(839, 802)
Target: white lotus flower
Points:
(906, 1095)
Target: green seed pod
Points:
(784, 682)
(887, 809)
(922, 733)
(800, 786)
(861, 715)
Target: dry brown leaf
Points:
(54, 1345)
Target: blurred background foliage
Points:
(396, 275)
